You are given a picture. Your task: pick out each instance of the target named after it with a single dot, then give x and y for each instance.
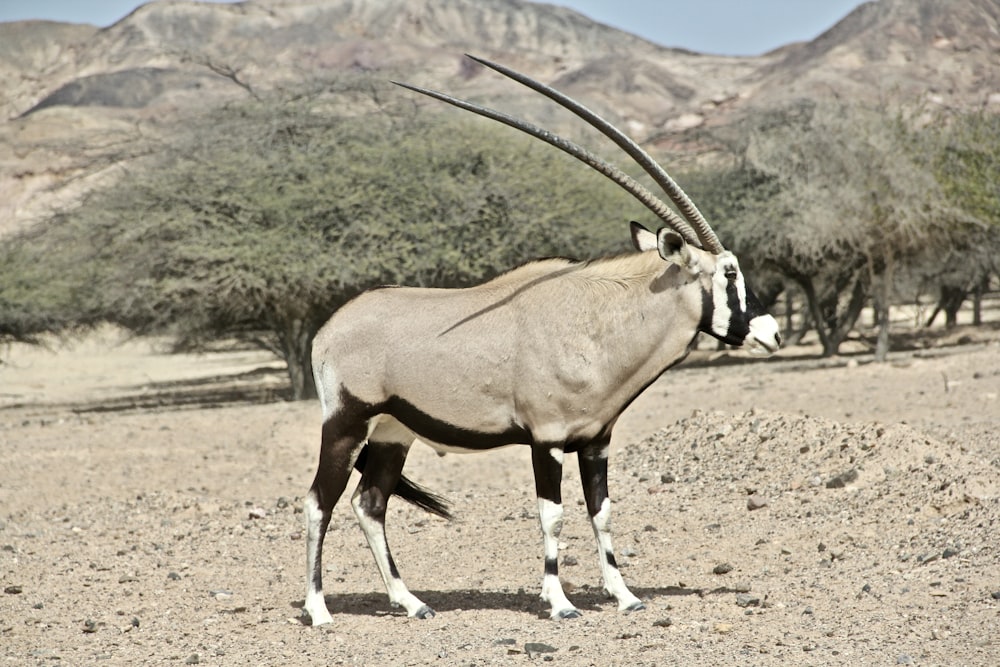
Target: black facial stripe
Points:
(754, 307)
(707, 312)
(738, 322)
(733, 335)
(739, 319)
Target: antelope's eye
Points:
(731, 275)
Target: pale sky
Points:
(731, 27)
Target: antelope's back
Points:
(394, 341)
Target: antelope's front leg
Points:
(594, 474)
(547, 463)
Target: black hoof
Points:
(424, 612)
(635, 606)
(568, 613)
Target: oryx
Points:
(547, 355)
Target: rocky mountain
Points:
(71, 96)
(944, 52)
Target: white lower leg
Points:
(613, 582)
(315, 605)
(551, 515)
(399, 594)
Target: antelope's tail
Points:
(410, 491)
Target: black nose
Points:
(777, 339)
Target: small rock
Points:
(192, 659)
(570, 560)
(13, 590)
(723, 628)
(221, 594)
(949, 552)
(995, 595)
(663, 622)
(722, 568)
(173, 576)
(534, 648)
(89, 627)
(747, 600)
(667, 478)
(756, 501)
(258, 513)
(903, 659)
(127, 579)
(843, 479)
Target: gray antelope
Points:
(547, 355)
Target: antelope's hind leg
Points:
(594, 475)
(341, 442)
(387, 448)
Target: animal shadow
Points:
(586, 598)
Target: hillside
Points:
(73, 98)
(945, 52)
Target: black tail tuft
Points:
(410, 491)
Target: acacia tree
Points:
(839, 201)
(33, 299)
(965, 152)
(265, 217)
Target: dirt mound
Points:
(879, 466)
(834, 474)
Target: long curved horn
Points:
(629, 184)
(708, 238)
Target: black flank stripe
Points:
(444, 433)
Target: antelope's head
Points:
(730, 310)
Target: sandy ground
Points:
(150, 514)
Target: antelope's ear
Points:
(673, 248)
(642, 238)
